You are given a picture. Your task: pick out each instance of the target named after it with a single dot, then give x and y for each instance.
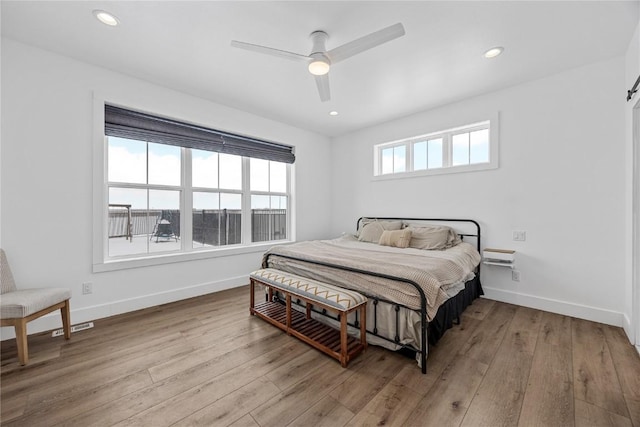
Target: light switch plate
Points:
(519, 235)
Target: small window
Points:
(427, 154)
(394, 159)
(466, 148)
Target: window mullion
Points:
(290, 221)
(147, 238)
(447, 149)
(270, 224)
(186, 200)
(246, 201)
(266, 193)
(426, 160)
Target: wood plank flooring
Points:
(206, 361)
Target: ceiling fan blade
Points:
(270, 51)
(369, 41)
(323, 87)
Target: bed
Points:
(415, 292)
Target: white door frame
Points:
(635, 224)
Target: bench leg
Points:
(363, 325)
(343, 340)
(288, 308)
(252, 296)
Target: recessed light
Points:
(493, 52)
(333, 113)
(106, 18)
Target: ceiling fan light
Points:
(318, 67)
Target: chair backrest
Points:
(6, 278)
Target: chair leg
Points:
(66, 320)
(21, 341)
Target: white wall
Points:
(46, 175)
(632, 308)
(561, 178)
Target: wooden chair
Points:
(17, 307)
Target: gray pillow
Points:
(372, 231)
(435, 237)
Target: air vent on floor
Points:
(74, 328)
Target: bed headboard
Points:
(466, 228)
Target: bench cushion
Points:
(333, 296)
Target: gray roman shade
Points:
(124, 123)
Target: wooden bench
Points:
(335, 343)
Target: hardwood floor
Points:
(205, 361)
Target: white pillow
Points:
(396, 238)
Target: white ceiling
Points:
(185, 45)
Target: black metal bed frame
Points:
(377, 300)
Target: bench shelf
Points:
(311, 331)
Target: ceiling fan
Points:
(320, 59)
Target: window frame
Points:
(447, 151)
(103, 262)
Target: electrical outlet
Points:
(87, 288)
(519, 235)
(515, 275)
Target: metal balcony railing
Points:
(217, 227)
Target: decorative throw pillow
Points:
(396, 238)
(431, 237)
(372, 231)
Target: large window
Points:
(174, 198)
(466, 148)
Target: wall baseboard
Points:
(628, 328)
(85, 314)
(594, 314)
